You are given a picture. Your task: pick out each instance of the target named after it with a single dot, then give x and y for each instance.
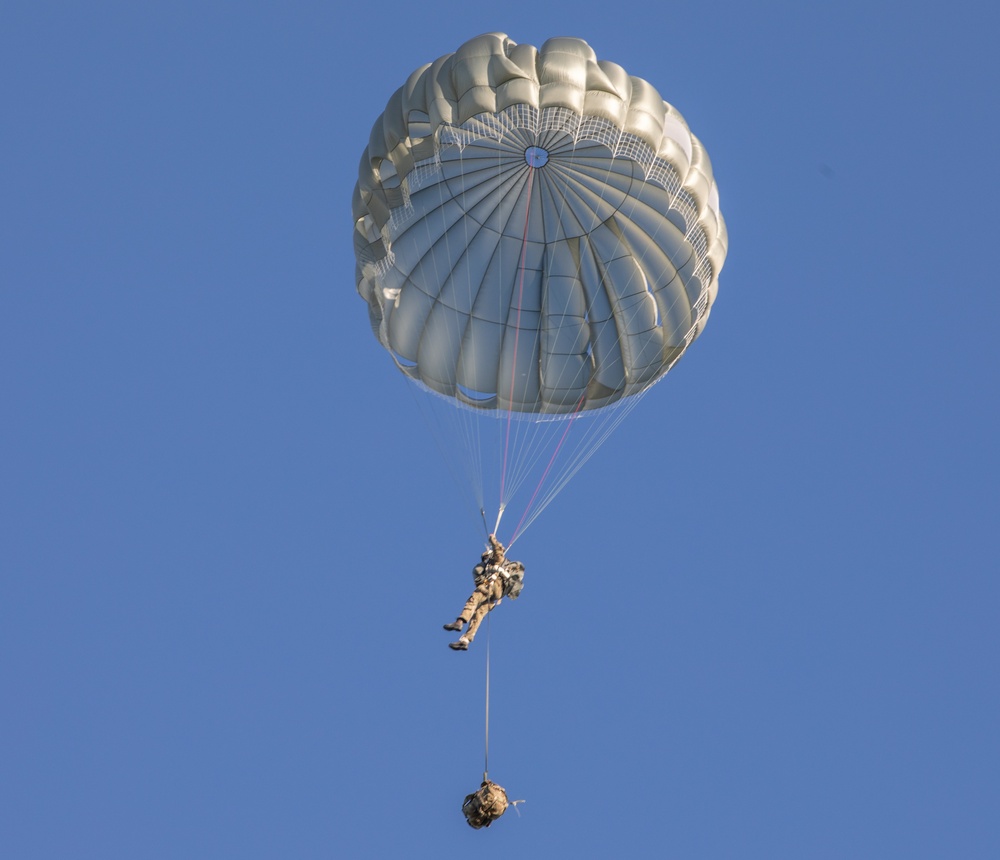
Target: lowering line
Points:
(486, 760)
(486, 753)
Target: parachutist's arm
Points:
(497, 549)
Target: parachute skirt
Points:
(485, 806)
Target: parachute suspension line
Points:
(533, 440)
(496, 528)
(517, 330)
(585, 451)
(545, 474)
(574, 454)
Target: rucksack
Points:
(485, 806)
(513, 579)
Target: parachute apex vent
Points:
(535, 156)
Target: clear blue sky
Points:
(761, 623)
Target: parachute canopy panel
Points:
(535, 230)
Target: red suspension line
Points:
(517, 328)
(545, 474)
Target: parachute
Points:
(538, 239)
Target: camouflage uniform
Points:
(489, 590)
(490, 577)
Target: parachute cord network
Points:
(545, 474)
(517, 331)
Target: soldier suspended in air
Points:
(495, 577)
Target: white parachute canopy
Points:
(538, 239)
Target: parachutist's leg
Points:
(477, 599)
(492, 592)
(476, 620)
(471, 605)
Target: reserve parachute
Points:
(538, 239)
